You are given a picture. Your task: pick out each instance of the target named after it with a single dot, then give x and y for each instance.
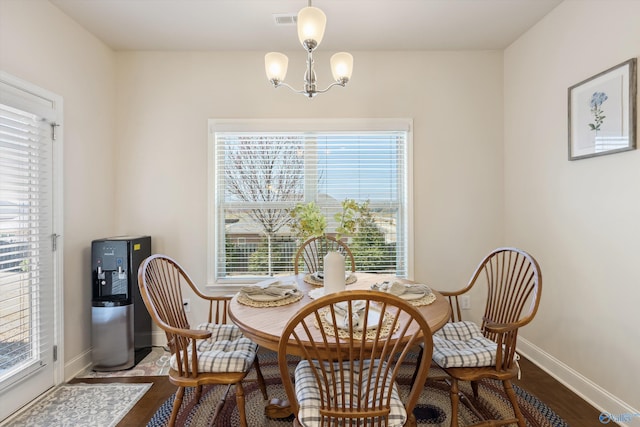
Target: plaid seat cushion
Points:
(227, 350)
(308, 394)
(461, 344)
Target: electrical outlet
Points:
(187, 305)
(465, 302)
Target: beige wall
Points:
(43, 46)
(579, 218)
(454, 98)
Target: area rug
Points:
(95, 405)
(433, 408)
(154, 364)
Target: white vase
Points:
(334, 278)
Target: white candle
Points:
(334, 279)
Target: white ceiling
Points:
(351, 24)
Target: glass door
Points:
(27, 243)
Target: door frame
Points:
(57, 213)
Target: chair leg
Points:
(411, 421)
(474, 387)
(454, 402)
(198, 393)
(415, 373)
(514, 402)
(177, 402)
(220, 404)
(240, 403)
(261, 383)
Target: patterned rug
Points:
(433, 408)
(75, 405)
(154, 364)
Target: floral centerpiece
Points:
(307, 221)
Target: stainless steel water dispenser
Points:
(120, 323)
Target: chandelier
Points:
(311, 24)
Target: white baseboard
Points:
(77, 365)
(620, 412)
(158, 338)
(83, 361)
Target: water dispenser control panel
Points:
(109, 271)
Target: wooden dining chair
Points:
(312, 253)
(470, 352)
(210, 353)
(347, 373)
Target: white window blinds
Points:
(261, 175)
(26, 274)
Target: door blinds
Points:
(26, 276)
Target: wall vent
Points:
(285, 18)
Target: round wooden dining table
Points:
(264, 325)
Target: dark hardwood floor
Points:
(569, 406)
(575, 411)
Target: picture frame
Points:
(602, 112)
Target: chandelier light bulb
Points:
(342, 66)
(275, 64)
(311, 25)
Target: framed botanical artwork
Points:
(602, 113)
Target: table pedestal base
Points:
(277, 408)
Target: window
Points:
(262, 169)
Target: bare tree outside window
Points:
(261, 172)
